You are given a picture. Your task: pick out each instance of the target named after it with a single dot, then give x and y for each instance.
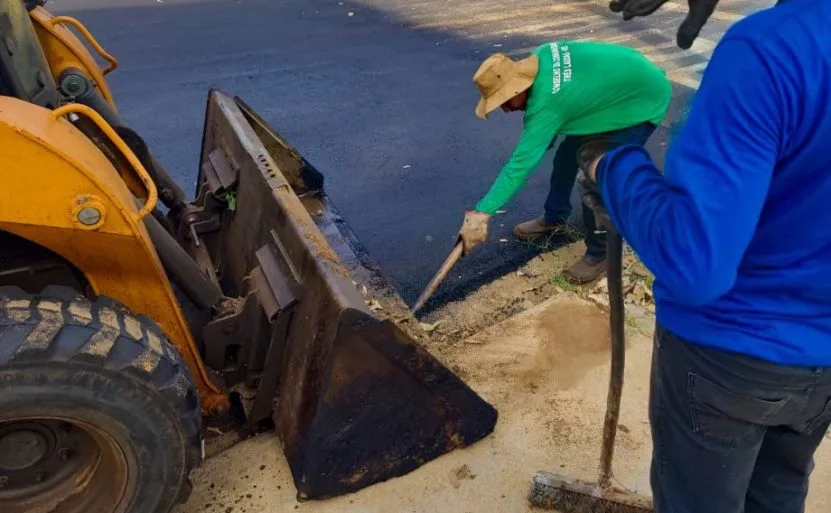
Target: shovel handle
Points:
(614, 276)
(441, 274)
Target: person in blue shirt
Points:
(737, 232)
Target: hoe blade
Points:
(355, 397)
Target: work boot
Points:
(536, 228)
(586, 269)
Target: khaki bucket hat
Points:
(500, 78)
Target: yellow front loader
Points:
(133, 318)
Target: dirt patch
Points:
(229, 306)
(568, 420)
(460, 474)
(575, 335)
(554, 342)
(535, 282)
(565, 422)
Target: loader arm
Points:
(129, 271)
(57, 180)
(80, 79)
(66, 52)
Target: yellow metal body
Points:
(61, 192)
(64, 50)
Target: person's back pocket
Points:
(728, 418)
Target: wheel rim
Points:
(61, 466)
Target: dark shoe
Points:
(585, 270)
(536, 228)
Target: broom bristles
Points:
(550, 491)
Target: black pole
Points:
(614, 277)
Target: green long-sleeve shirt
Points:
(581, 88)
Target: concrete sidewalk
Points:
(546, 371)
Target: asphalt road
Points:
(377, 94)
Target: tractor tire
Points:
(98, 412)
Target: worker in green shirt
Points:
(585, 91)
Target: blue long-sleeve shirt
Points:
(737, 231)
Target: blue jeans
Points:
(732, 434)
(558, 203)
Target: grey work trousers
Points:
(732, 434)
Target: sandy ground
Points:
(546, 371)
(508, 295)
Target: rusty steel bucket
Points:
(339, 362)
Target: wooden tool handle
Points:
(614, 277)
(441, 274)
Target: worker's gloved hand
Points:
(590, 151)
(698, 14)
(633, 8)
(588, 156)
(590, 194)
(474, 229)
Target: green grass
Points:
(560, 281)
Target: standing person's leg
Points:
(593, 263)
(563, 175)
(595, 246)
(713, 416)
(693, 471)
(558, 202)
(786, 458)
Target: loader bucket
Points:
(355, 397)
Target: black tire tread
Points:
(115, 339)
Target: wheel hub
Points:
(60, 465)
(38, 455)
(22, 449)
